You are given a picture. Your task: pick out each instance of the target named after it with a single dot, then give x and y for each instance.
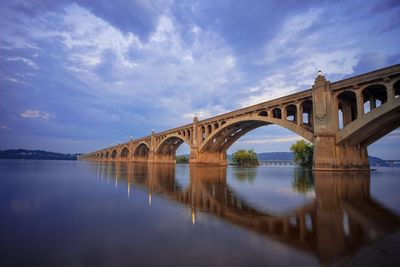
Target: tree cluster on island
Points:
(245, 158)
(182, 159)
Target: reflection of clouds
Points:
(27, 206)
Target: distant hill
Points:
(275, 156)
(35, 154)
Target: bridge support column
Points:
(209, 158)
(170, 159)
(328, 155)
(200, 157)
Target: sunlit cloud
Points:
(33, 114)
(272, 139)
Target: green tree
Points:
(245, 158)
(303, 153)
(182, 159)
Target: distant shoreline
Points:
(35, 155)
(49, 155)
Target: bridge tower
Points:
(328, 155)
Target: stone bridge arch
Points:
(141, 151)
(125, 153)
(214, 146)
(166, 149)
(114, 153)
(235, 128)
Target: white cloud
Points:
(33, 114)
(271, 139)
(27, 61)
(4, 127)
(270, 88)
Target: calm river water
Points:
(78, 213)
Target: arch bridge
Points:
(340, 118)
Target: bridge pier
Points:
(328, 154)
(170, 159)
(207, 157)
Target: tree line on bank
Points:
(35, 154)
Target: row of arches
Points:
(299, 113)
(112, 154)
(352, 104)
(225, 133)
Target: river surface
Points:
(79, 213)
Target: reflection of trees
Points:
(303, 181)
(244, 174)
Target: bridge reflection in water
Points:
(341, 219)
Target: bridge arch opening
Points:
(102, 155)
(374, 96)
(306, 116)
(107, 154)
(209, 129)
(125, 152)
(224, 137)
(396, 88)
(114, 154)
(277, 113)
(141, 152)
(263, 113)
(203, 133)
(291, 113)
(347, 108)
(167, 149)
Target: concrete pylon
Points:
(327, 154)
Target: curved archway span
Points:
(124, 152)
(170, 144)
(372, 126)
(142, 150)
(107, 154)
(114, 153)
(231, 131)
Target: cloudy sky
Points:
(79, 75)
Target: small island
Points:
(182, 159)
(245, 158)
